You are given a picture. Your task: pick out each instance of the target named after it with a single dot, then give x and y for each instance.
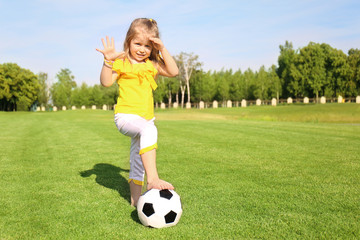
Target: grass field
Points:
(286, 172)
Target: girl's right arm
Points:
(107, 76)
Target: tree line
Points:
(312, 71)
(22, 90)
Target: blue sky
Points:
(48, 35)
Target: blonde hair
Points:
(141, 26)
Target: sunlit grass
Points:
(328, 113)
(271, 173)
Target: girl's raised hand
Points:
(109, 49)
(157, 43)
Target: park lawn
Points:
(241, 173)
(328, 113)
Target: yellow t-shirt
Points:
(136, 84)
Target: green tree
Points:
(43, 94)
(110, 94)
(339, 72)
(235, 87)
(202, 86)
(295, 85)
(330, 86)
(275, 83)
(262, 84)
(62, 89)
(96, 96)
(286, 69)
(161, 90)
(311, 65)
(187, 63)
(18, 88)
(354, 64)
(247, 86)
(172, 87)
(221, 85)
(80, 96)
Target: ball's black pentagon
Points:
(148, 209)
(166, 194)
(170, 217)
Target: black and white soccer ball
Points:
(159, 208)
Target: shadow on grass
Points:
(135, 216)
(108, 175)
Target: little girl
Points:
(135, 69)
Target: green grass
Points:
(288, 172)
(329, 113)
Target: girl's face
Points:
(140, 48)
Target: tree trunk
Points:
(188, 90)
(170, 98)
(182, 95)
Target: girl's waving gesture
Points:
(107, 78)
(109, 49)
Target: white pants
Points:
(143, 135)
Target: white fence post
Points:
(215, 104)
(201, 105)
(323, 100)
(228, 104)
(273, 102)
(340, 99)
(258, 102)
(243, 103)
(162, 105)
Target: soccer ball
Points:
(159, 208)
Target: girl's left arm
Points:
(169, 67)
